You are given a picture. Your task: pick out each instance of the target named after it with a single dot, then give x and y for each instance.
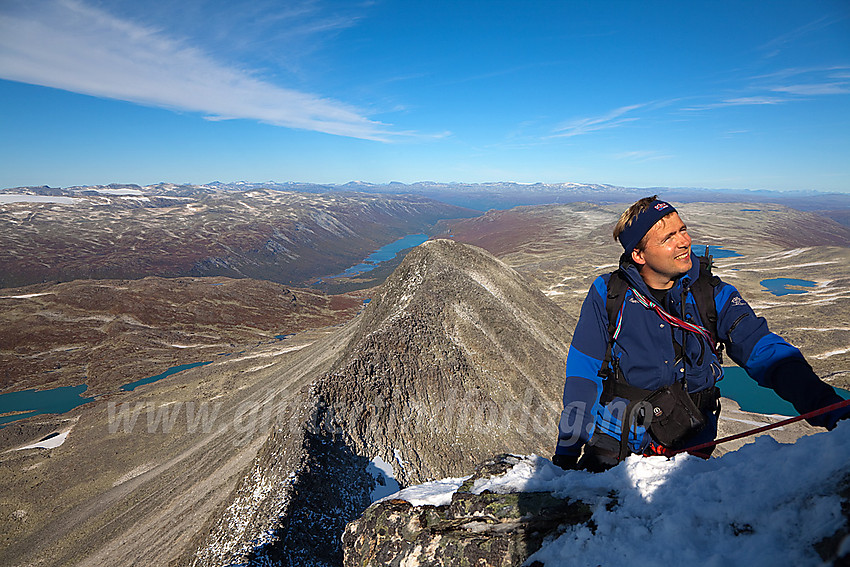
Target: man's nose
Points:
(684, 240)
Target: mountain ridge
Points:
(435, 375)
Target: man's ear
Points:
(637, 257)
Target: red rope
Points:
(695, 449)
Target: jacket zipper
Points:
(735, 324)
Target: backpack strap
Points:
(613, 382)
(616, 296)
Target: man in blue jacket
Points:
(654, 363)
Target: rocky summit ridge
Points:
(450, 363)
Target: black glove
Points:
(566, 462)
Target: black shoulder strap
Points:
(703, 291)
(614, 299)
(613, 383)
(617, 287)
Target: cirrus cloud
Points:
(66, 44)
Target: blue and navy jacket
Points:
(645, 351)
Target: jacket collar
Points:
(635, 281)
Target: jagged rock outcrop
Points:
(481, 530)
(455, 359)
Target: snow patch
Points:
(831, 353)
(399, 459)
(49, 443)
(116, 192)
(434, 493)
(14, 198)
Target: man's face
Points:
(667, 254)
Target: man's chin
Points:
(684, 267)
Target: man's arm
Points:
(583, 386)
(770, 360)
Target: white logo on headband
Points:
(661, 206)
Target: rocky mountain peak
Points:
(455, 359)
(455, 354)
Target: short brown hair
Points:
(629, 215)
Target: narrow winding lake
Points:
(383, 254)
(173, 370)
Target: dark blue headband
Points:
(641, 223)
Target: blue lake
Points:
(779, 286)
(65, 398)
(37, 402)
(736, 384)
(383, 254)
(173, 370)
(715, 251)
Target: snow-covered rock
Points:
(766, 504)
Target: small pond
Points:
(715, 251)
(26, 403)
(780, 286)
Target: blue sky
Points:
(721, 94)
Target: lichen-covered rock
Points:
(481, 530)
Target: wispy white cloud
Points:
(739, 101)
(815, 72)
(612, 119)
(785, 86)
(806, 81)
(814, 89)
(775, 46)
(69, 45)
